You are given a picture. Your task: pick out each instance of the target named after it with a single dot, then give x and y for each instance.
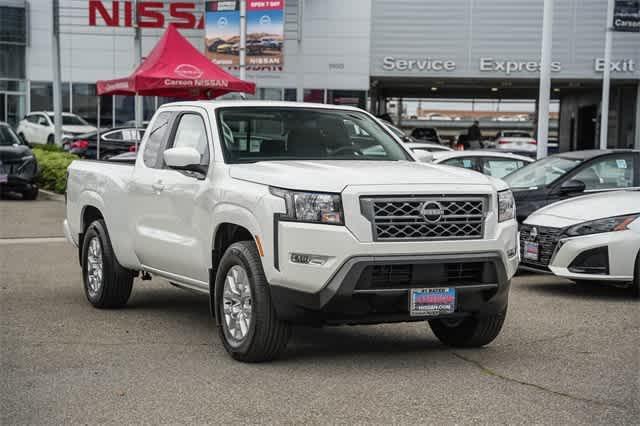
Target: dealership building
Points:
(357, 52)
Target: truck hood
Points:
(334, 175)
(586, 208)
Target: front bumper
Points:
(356, 294)
(622, 248)
(18, 184)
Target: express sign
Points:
(151, 14)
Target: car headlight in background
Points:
(506, 206)
(609, 224)
(312, 207)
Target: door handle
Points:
(157, 186)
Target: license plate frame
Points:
(432, 302)
(531, 251)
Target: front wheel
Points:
(470, 332)
(106, 283)
(247, 322)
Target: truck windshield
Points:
(253, 134)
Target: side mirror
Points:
(423, 156)
(406, 138)
(184, 158)
(572, 186)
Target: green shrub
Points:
(49, 148)
(53, 165)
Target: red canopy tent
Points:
(175, 68)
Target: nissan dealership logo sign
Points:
(188, 71)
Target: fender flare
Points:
(236, 215)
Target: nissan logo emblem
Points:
(432, 211)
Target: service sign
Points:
(265, 33)
(626, 16)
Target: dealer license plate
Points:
(531, 250)
(4, 178)
(432, 302)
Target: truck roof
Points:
(256, 103)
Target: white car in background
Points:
(590, 238)
(37, 127)
(515, 140)
(418, 147)
(492, 163)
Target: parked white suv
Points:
(276, 212)
(37, 127)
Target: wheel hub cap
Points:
(236, 303)
(94, 266)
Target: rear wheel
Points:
(470, 332)
(106, 283)
(50, 140)
(30, 194)
(247, 322)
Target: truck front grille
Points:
(425, 218)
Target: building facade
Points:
(357, 52)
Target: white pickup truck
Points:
(295, 213)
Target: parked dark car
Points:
(18, 166)
(565, 175)
(112, 142)
(428, 134)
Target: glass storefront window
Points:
(148, 107)
(85, 101)
(42, 96)
(270, 94)
(355, 98)
(314, 95)
(125, 109)
(290, 95)
(13, 40)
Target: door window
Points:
(608, 173)
(114, 136)
(32, 119)
(156, 138)
(42, 121)
(500, 167)
(191, 133)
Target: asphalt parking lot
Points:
(567, 355)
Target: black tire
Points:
(267, 336)
(470, 332)
(117, 281)
(635, 286)
(50, 140)
(31, 194)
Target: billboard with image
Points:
(265, 33)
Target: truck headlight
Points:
(609, 224)
(312, 207)
(506, 206)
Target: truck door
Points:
(178, 211)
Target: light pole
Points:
(57, 79)
(545, 79)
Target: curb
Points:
(52, 195)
